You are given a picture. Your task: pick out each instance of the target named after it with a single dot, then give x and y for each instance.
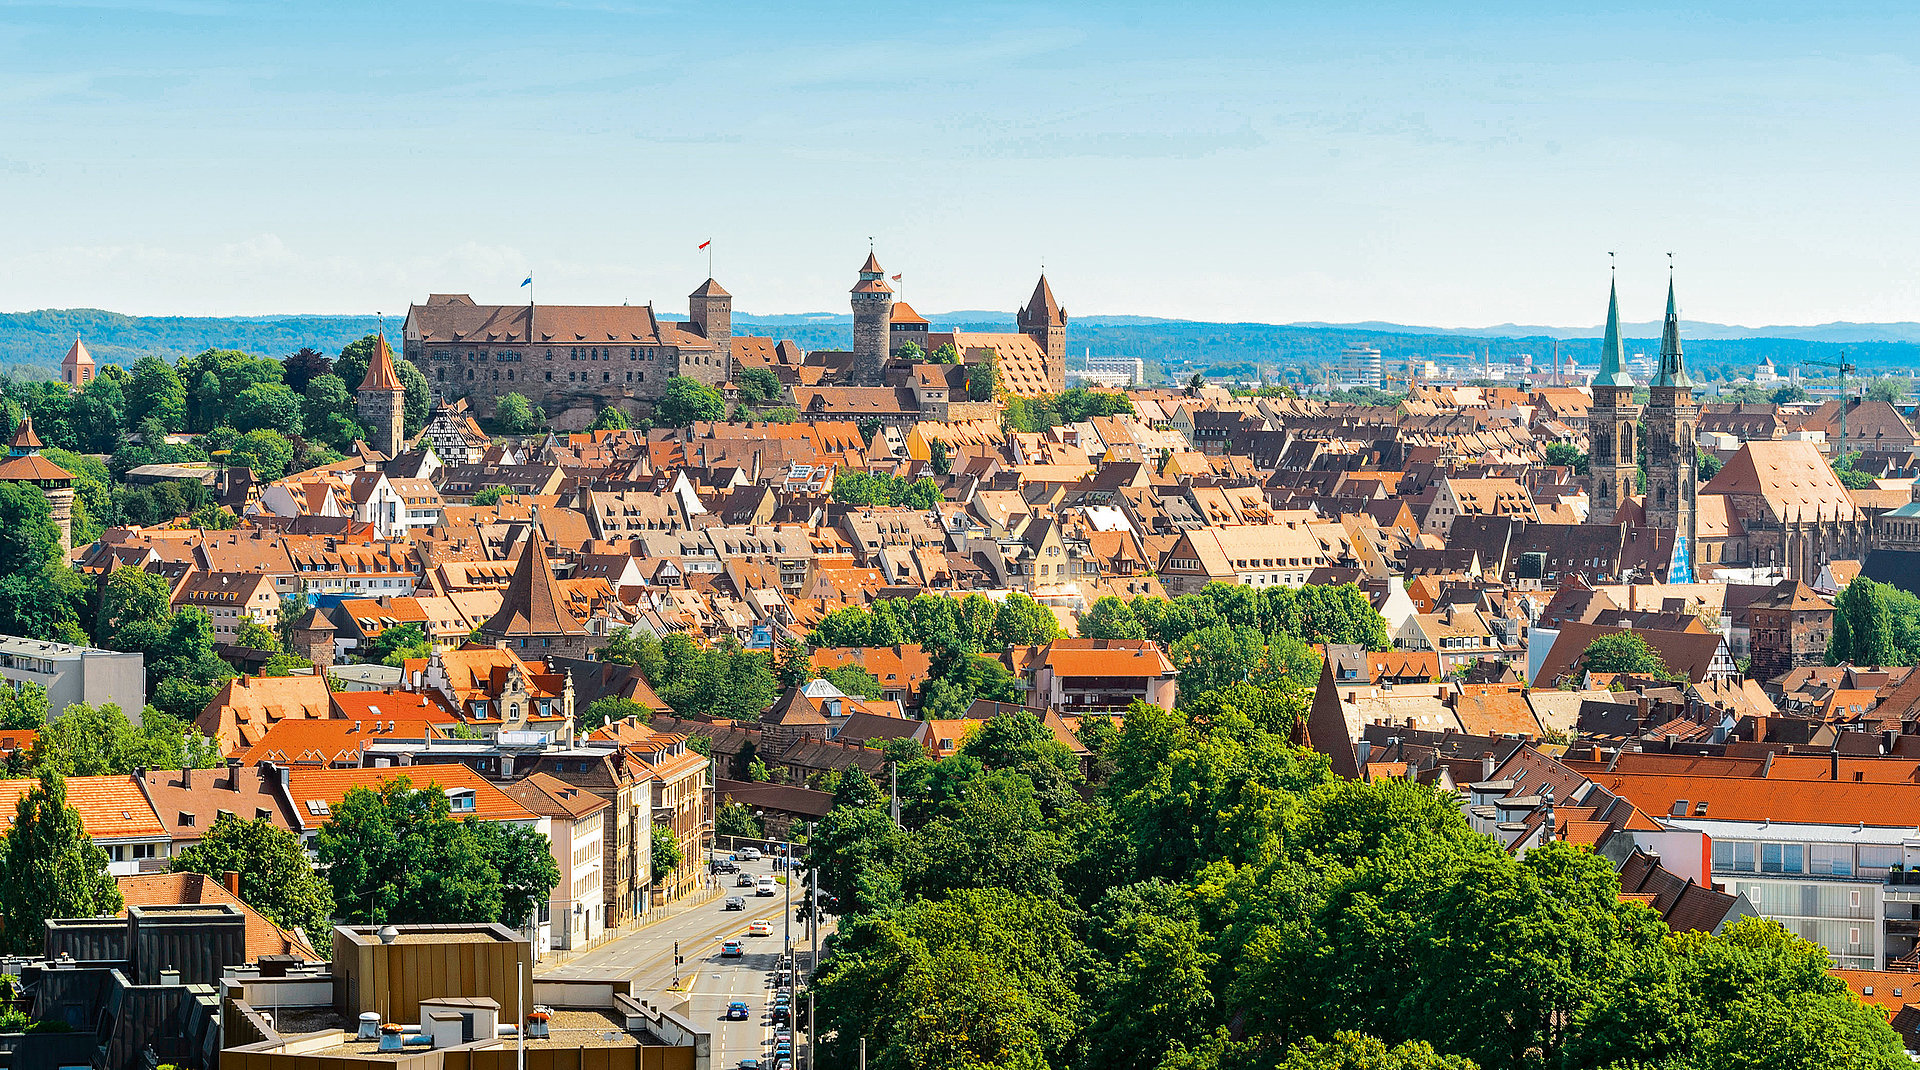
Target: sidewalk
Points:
(698, 898)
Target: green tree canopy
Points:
(610, 419)
(49, 868)
(687, 401)
(275, 877)
(513, 414)
(1624, 652)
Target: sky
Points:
(1451, 165)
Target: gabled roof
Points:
(710, 288)
(187, 889)
(1791, 479)
(316, 791)
(533, 604)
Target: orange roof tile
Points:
(110, 807)
(330, 787)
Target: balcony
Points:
(1907, 877)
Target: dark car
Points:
(781, 1015)
(736, 1011)
(734, 902)
(721, 865)
(747, 880)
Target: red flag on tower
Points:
(706, 243)
(896, 278)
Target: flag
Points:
(706, 243)
(896, 278)
(529, 281)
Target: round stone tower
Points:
(872, 324)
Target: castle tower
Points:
(711, 309)
(872, 324)
(1044, 321)
(1612, 462)
(1672, 465)
(76, 368)
(23, 464)
(382, 402)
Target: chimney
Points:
(233, 774)
(232, 880)
(1486, 767)
(1547, 822)
(1834, 755)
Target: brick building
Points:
(1789, 629)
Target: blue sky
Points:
(1421, 163)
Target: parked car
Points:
(746, 880)
(735, 902)
(731, 950)
(781, 1015)
(766, 886)
(761, 927)
(749, 1064)
(736, 1011)
(748, 854)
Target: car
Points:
(748, 854)
(736, 1011)
(781, 1015)
(781, 999)
(721, 865)
(766, 886)
(760, 927)
(734, 902)
(782, 1036)
(746, 880)
(731, 950)
(749, 1064)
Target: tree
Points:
(396, 645)
(328, 412)
(264, 450)
(1706, 465)
(1195, 383)
(687, 401)
(1023, 622)
(1624, 652)
(735, 820)
(666, 853)
(397, 855)
(853, 680)
(154, 392)
(610, 419)
(513, 414)
(303, 367)
(910, 353)
(275, 877)
(213, 518)
(937, 457)
(1787, 395)
(983, 380)
(24, 706)
(254, 635)
(130, 597)
(417, 401)
(268, 405)
(1850, 477)
(1863, 626)
(1891, 389)
(1561, 453)
(1110, 618)
(49, 868)
(40, 597)
(944, 353)
(491, 495)
(523, 860)
(759, 386)
(89, 740)
(610, 708)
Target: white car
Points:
(761, 927)
(766, 887)
(748, 854)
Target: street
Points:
(646, 956)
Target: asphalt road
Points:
(647, 957)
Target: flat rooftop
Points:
(568, 1029)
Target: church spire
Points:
(1673, 364)
(1613, 354)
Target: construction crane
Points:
(1842, 368)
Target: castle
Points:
(574, 360)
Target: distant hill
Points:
(1171, 348)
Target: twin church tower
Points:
(1671, 419)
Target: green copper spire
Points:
(1613, 355)
(1673, 365)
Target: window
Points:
(1832, 859)
(1782, 857)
